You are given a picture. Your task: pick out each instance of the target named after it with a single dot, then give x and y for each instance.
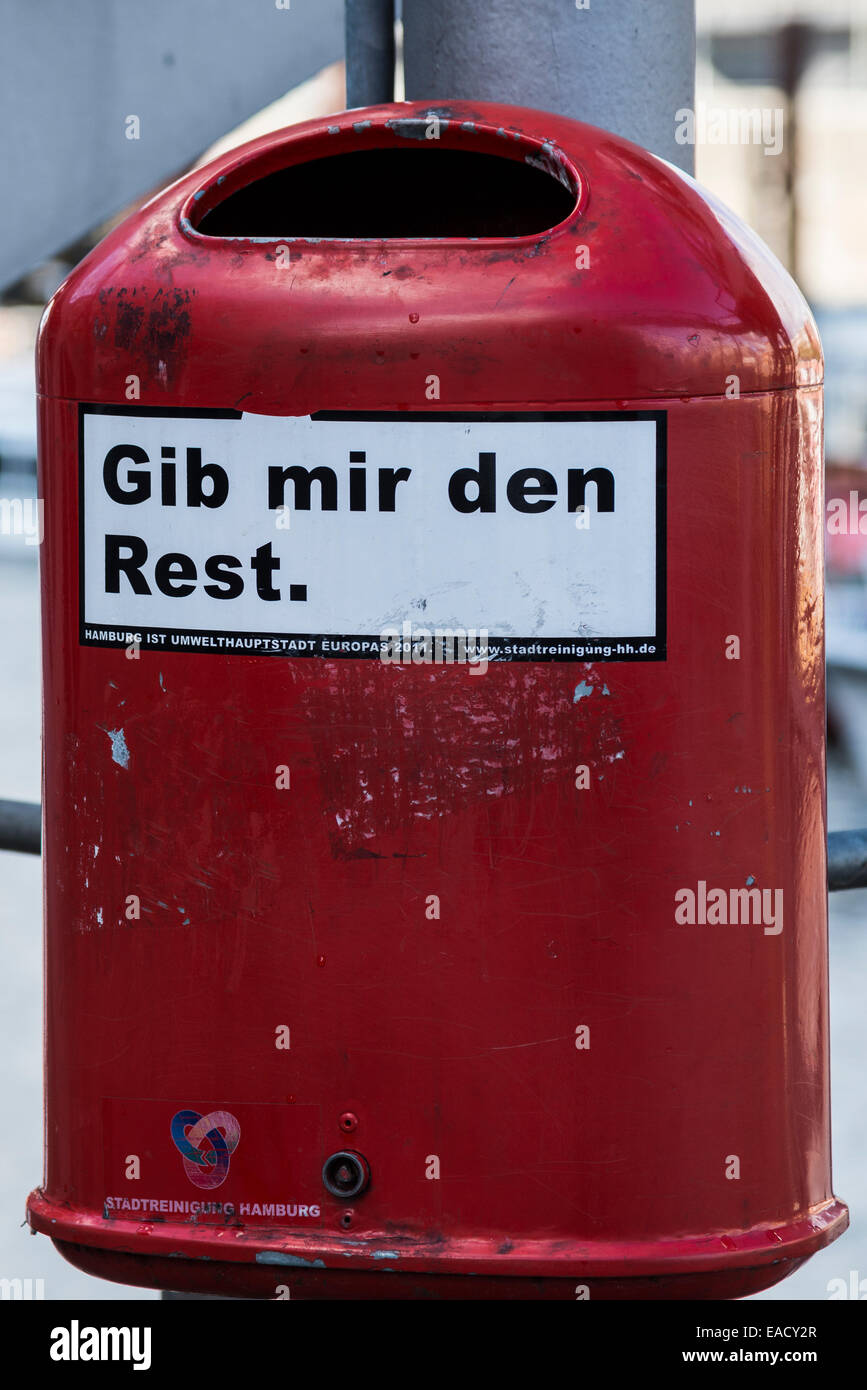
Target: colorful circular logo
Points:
(205, 1143)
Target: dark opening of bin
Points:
(426, 191)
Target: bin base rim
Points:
(276, 1250)
(234, 1280)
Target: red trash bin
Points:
(434, 728)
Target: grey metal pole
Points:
(369, 52)
(628, 67)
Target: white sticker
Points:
(330, 535)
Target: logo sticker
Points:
(205, 1143)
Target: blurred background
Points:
(808, 201)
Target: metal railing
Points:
(21, 826)
(21, 830)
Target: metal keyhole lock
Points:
(346, 1174)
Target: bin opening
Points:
(428, 191)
